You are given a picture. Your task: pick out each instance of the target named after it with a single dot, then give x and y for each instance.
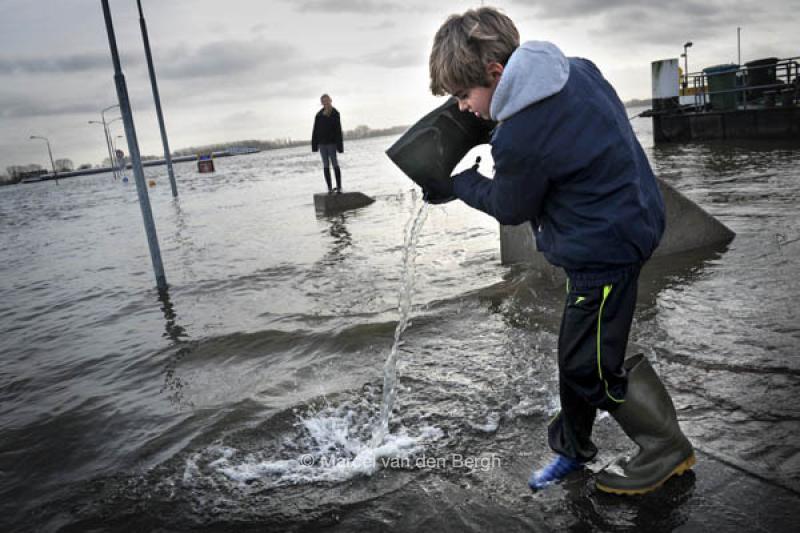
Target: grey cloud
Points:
(384, 25)
(351, 6)
(587, 8)
(223, 58)
(654, 27)
(653, 24)
(572, 8)
(66, 64)
(395, 57)
(17, 107)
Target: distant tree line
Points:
(253, 143)
(636, 102)
(18, 172)
(363, 132)
(359, 132)
(15, 173)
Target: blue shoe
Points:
(557, 470)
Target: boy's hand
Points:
(439, 191)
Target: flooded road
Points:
(247, 397)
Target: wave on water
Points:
(332, 444)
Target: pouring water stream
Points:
(407, 279)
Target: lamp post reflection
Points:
(108, 137)
(173, 384)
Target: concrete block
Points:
(328, 204)
(688, 227)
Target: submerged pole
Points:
(110, 151)
(49, 152)
(133, 149)
(157, 100)
(108, 139)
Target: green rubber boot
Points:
(648, 417)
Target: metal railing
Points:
(782, 87)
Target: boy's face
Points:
(477, 100)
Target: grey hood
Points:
(536, 70)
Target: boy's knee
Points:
(585, 382)
(581, 376)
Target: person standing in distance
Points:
(327, 139)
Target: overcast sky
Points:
(244, 69)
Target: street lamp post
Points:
(115, 163)
(114, 159)
(157, 100)
(108, 139)
(685, 57)
(133, 150)
(50, 153)
(108, 142)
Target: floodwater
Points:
(248, 397)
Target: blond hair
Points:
(465, 44)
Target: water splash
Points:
(339, 442)
(412, 231)
(330, 444)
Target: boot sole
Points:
(679, 470)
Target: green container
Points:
(722, 78)
(761, 72)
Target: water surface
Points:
(247, 397)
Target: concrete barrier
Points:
(328, 204)
(688, 227)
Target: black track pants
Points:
(591, 350)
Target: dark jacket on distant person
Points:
(567, 161)
(327, 130)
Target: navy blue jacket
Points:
(572, 166)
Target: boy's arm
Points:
(514, 196)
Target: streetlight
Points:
(50, 152)
(108, 138)
(157, 100)
(105, 125)
(105, 133)
(133, 150)
(685, 57)
(114, 160)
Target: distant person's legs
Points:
(325, 153)
(338, 172)
(336, 169)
